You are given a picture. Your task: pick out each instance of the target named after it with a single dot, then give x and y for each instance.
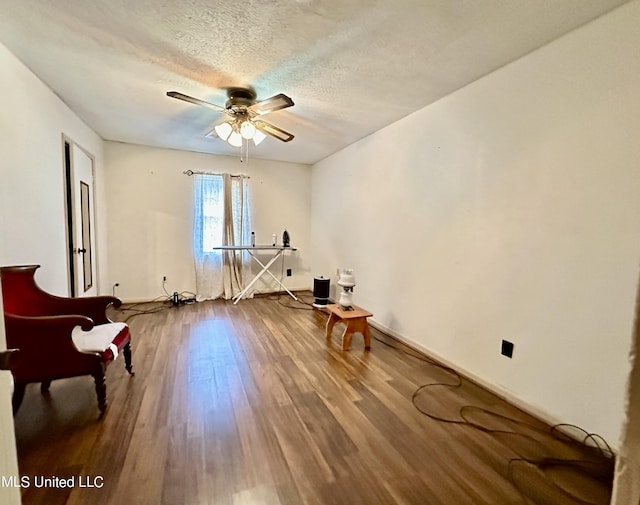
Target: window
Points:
(211, 207)
(221, 218)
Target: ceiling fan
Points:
(245, 113)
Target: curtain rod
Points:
(192, 172)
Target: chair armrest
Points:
(93, 307)
(6, 358)
(46, 349)
(36, 331)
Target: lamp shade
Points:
(223, 130)
(235, 131)
(346, 279)
(235, 139)
(247, 130)
(258, 137)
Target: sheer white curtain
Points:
(221, 217)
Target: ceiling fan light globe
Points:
(258, 137)
(247, 130)
(235, 139)
(223, 130)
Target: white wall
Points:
(150, 225)
(507, 210)
(32, 216)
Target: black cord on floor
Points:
(290, 302)
(305, 305)
(601, 470)
(139, 312)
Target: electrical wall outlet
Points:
(164, 278)
(288, 272)
(507, 349)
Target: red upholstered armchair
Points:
(58, 337)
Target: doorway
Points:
(80, 214)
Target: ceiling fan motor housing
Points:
(240, 97)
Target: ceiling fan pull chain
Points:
(244, 150)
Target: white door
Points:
(82, 227)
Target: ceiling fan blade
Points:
(195, 101)
(272, 130)
(272, 104)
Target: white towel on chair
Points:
(97, 339)
(114, 350)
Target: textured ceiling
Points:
(351, 66)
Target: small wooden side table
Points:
(355, 320)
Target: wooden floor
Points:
(247, 404)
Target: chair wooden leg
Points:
(18, 395)
(101, 391)
(126, 351)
